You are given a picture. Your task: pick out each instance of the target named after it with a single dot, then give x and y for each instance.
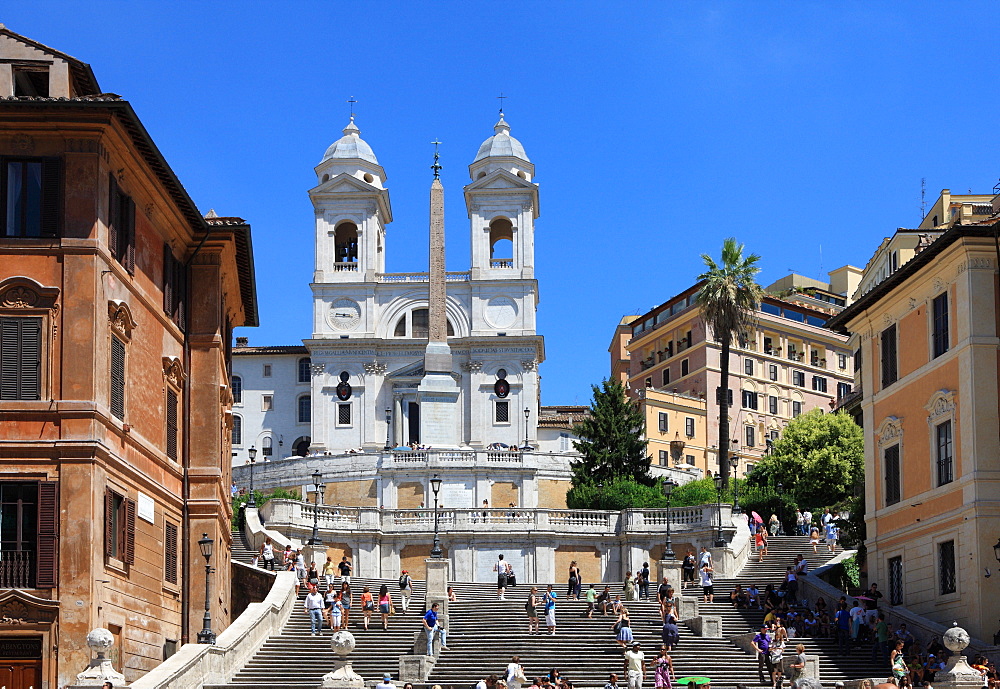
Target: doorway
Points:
(413, 422)
(21, 662)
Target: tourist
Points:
(753, 596)
(791, 586)
(550, 610)
(314, 608)
(664, 593)
(798, 665)
(760, 541)
(328, 600)
(431, 627)
(623, 627)
(591, 601)
(617, 605)
(345, 568)
(906, 636)
(267, 554)
(800, 522)
(604, 600)
(777, 652)
(857, 621)
(705, 558)
(843, 620)
(707, 587)
(832, 536)
(515, 674)
(629, 587)
(386, 682)
(288, 558)
(337, 612)
(739, 597)
(501, 569)
(807, 518)
(405, 589)
(663, 669)
(367, 605)
(329, 569)
(574, 581)
(385, 606)
(346, 599)
(687, 569)
(773, 525)
(762, 645)
(451, 594)
(644, 581)
(871, 605)
(531, 608)
(299, 565)
(635, 664)
(670, 634)
(612, 682)
(312, 575)
(880, 650)
(897, 662)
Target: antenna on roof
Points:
(923, 202)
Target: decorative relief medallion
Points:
(938, 285)
(942, 403)
(25, 293)
(501, 312)
(345, 314)
(375, 367)
(19, 298)
(891, 429)
(887, 320)
(121, 318)
(173, 371)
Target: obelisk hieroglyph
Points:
(438, 392)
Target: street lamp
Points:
(781, 527)
(436, 548)
(720, 542)
(252, 502)
(734, 462)
(668, 549)
(996, 553)
(206, 635)
(388, 429)
(527, 413)
(320, 488)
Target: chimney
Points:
(242, 341)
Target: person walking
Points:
(591, 601)
(312, 575)
(634, 664)
(531, 607)
(329, 570)
(501, 569)
(791, 586)
(299, 565)
(814, 538)
(515, 674)
(574, 581)
(346, 599)
(707, 584)
(384, 606)
(314, 608)
(432, 627)
(800, 524)
(623, 627)
(670, 634)
(807, 520)
(798, 665)
(773, 525)
(644, 581)
(328, 600)
(760, 539)
(843, 622)
(405, 589)
(897, 661)
(367, 605)
(288, 558)
(345, 568)
(337, 612)
(663, 670)
(705, 558)
(762, 646)
(550, 610)
(832, 536)
(687, 569)
(267, 554)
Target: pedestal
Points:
(437, 586)
(343, 675)
(437, 395)
(100, 669)
(315, 553)
(671, 569)
(957, 672)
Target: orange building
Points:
(927, 336)
(117, 300)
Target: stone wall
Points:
(248, 585)
(552, 494)
(352, 493)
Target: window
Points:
(774, 436)
(172, 425)
(20, 358)
(663, 421)
(750, 434)
(305, 409)
(689, 459)
(169, 552)
(666, 377)
(895, 581)
(946, 567)
(420, 323)
(237, 430)
(841, 361)
(772, 371)
(664, 458)
(857, 359)
(28, 539)
(749, 399)
(689, 427)
(30, 80)
(267, 446)
(343, 414)
(648, 382)
(940, 315)
(814, 357)
(237, 390)
(799, 378)
(945, 453)
(31, 197)
(796, 409)
(174, 287)
(267, 370)
(772, 404)
(685, 367)
(891, 465)
(768, 345)
(748, 367)
(843, 390)
(121, 225)
(304, 369)
(119, 527)
(819, 383)
(889, 371)
(117, 378)
(267, 402)
(501, 411)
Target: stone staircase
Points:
(484, 633)
(240, 549)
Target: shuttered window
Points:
(121, 225)
(119, 527)
(940, 324)
(891, 463)
(30, 200)
(117, 378)
(170, 552)
(662, 418)
(172, 425)
(889, 361)
(47, 573)
(174, 287)
(20, 358)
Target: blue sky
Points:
(656, 129)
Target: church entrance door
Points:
(413, 422)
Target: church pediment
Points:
(18, 607)
(347, 185)
(500, 179)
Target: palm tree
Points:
(729, 298)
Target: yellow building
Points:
(676, 430)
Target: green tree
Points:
(620, 494)
(819, 460)
(729, 297)
(612, 440)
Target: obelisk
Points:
(437, 393)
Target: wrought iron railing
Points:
(17, 569)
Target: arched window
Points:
(305, 409)
(501, 243)
(419, 325)
(237, 390)
(304, 369)
(237, 430)
(400, 330)
(266, 446)
(345, 243)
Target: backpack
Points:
(403, 581)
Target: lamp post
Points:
(319, 489)
(527, 413)
(206, 635)
(252, 502)
(720, 542)
(996, 553)
(781, 527)
(734, 462)
(668, 548)
(388, 429)
(436, 548)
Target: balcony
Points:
(502, 263)
(345, 267)
(17, 569)
(420, 277)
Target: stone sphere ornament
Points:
(956, 639)
(342, 643)
(100, 640)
